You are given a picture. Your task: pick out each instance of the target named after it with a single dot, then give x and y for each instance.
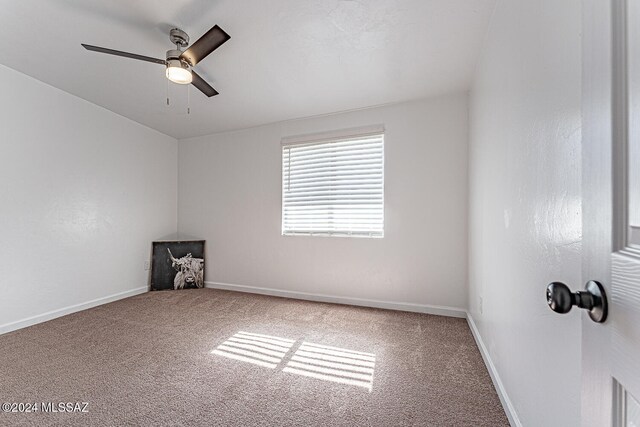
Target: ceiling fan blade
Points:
(125, 54)
(210, 41)
(202, 85)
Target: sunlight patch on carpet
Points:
(262, 350)
(318, 361)
(333, 364)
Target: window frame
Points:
(329, 137)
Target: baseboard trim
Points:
(33, 320)
(509, 409)
(362, 302)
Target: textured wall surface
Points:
(230, 194)
(83, 193)
(525, 204)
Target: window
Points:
(333, 184)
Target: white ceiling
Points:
(286, 58)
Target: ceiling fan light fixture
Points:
(179, 63)
(179, 71)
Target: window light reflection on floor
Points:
(333, 364)
(263, 350)
(317, 361)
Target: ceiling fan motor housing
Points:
(174, 60)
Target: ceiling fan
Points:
(179, 63)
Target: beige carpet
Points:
(207, 358)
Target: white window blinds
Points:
(334, 186)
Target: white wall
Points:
(525, 204)
(83, 192)
(230, 194)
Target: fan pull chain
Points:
(188, 99)
(167, 92)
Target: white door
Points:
(611, 210)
